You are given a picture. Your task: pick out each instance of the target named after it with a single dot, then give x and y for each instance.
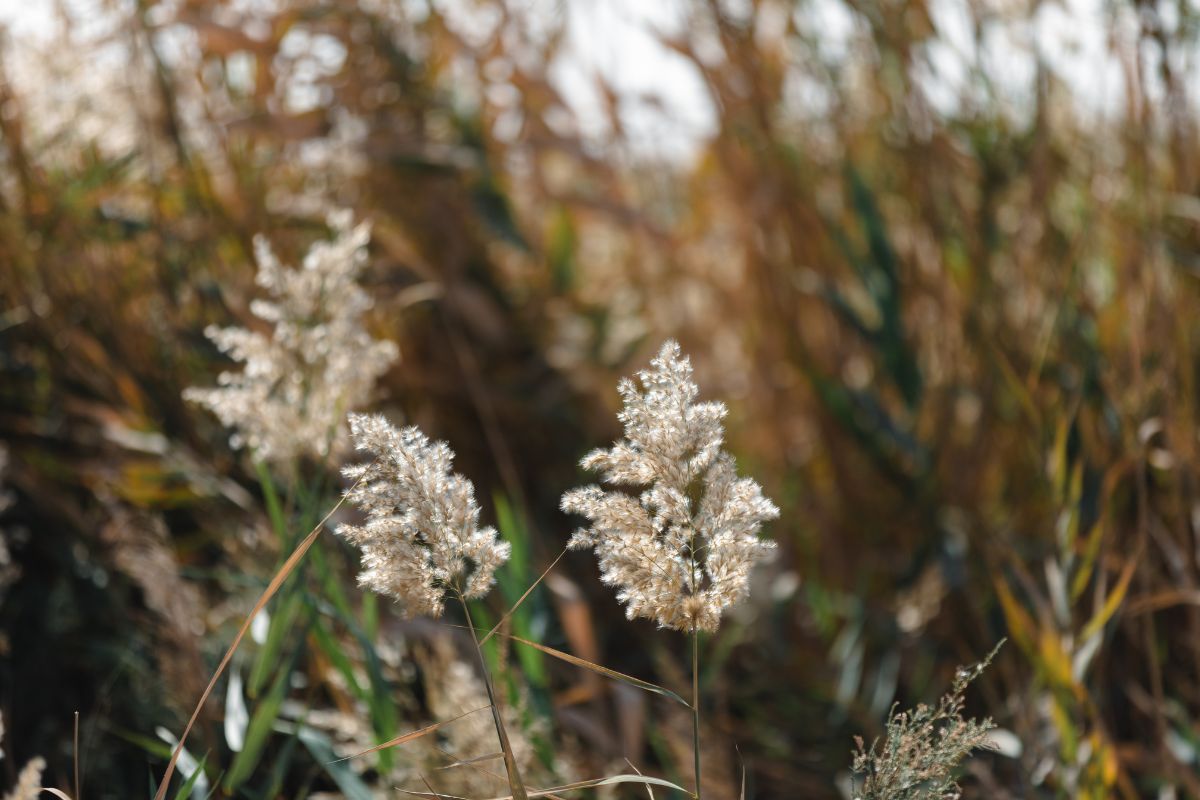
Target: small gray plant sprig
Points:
(923, 747)
(682, 552)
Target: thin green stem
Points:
(510, 762)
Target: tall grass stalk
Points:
(695, 503)
(510, 761)
(696, 705)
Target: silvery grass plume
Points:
(682, 552)
(319, 361)
(422, 535)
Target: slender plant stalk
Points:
(510, 762)
(78, 791)
(695, 667)
(696, 704)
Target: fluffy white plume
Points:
(29, 780)
(681, 552)
(422, 535)
(319, 362)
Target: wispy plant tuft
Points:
(682, 552)
(319, 362)
(422, 536)
(918, 757)
(29, 780)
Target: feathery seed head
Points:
(29, 781)
(681, 552)
(422, 534)
(318, 363)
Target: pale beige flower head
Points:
(29, 780)
(319, 362)
(422, 536)
(681, 552)
(9, 571)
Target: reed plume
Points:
(422, 536)
(319, 362)
(682, 552)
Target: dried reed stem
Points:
(696, 704)
(510, 762)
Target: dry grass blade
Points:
(410, 736)
(1113, 601)
(570, 787)
(649, 790)
(605, 671)
(517, 604)
(469, 762)
(473, 763)
(432, 794)
(599, 782)
(510, 762)
(1157, 601)
(268, 593)
(425, 781)
(475, 766)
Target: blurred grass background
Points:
(957, 326)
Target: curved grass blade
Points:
(1112, 602)
(605, 671)
(467, 762)
(412, 735)
(432, 794)
(425, 781)
(649, 790)
(517, 604)
(570, 787)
